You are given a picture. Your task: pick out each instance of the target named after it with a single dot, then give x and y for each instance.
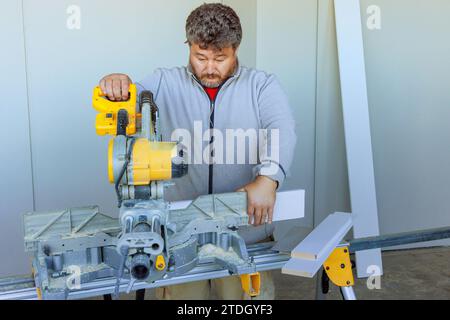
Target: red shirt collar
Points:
(212, 92)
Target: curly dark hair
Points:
(214, 25)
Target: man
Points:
(217, 94)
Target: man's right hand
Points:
(115, 86)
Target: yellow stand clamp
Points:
(160, 263)
(38, 290)
(106, 120)
(339, 267)
(251, 284)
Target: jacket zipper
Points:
(211, 141)
(211, 126)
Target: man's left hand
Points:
(261, 195)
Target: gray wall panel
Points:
(247, 14)
(16, 192)
(331, 184)
(286, 46)
(408, 64)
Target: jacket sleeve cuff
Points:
(271, 170)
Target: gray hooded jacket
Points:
(250, 99)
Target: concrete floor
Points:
(408, 274)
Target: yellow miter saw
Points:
(138, 164)
(138, 161)
(150, 241)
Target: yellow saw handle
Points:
(106, 120)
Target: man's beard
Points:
(213, 83)
(210, 83)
